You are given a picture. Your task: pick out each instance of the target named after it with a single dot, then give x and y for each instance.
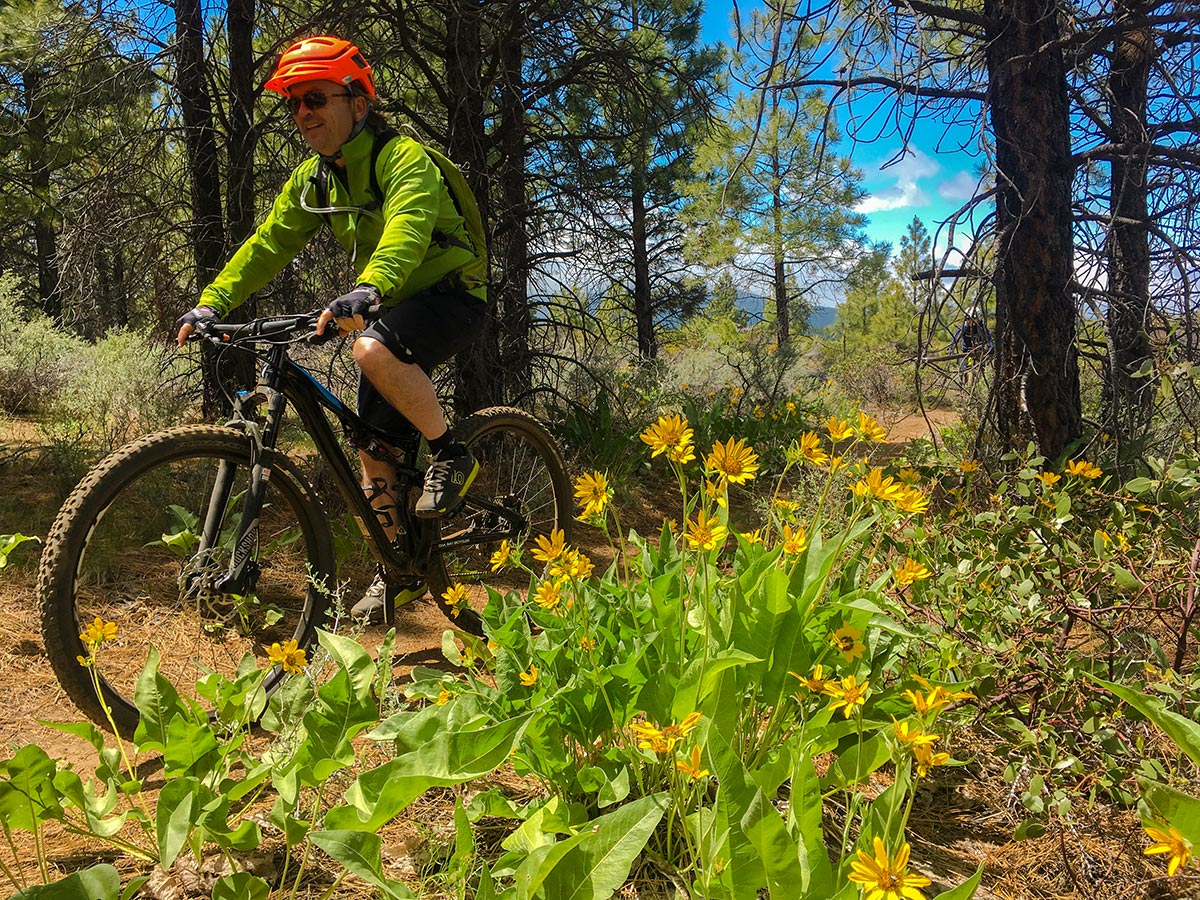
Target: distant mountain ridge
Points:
(822, 316)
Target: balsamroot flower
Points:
(547, 595)
(794, 542)
(691, 766)
(968, 466)
(887, 879)
(529, 679)
(911, 571)
(734, 461)
(670, 435)
(875, 484)
(846, 641)
(927, 759)
(443, 696)
(870, 430)
(1170, 842)
(705, 533)
(912, 735)
(912, 501)
(1049, 479)
(810, 448)
(1083, 469)
(503, 557)
(815, 682)
(456, 598)
(548, 549)
(289, 656)
(848, 695)
(592, 493)
(838, 430)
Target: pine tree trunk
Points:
(643, 309)
(783, 323)
(1128, 397)
(479, 372)
(1037, 360)
(44, 232)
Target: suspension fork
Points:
(243, 572)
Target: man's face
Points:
(327, 126)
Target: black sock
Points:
(439, 446)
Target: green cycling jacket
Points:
(393, 247)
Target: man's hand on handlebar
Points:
(189, 320)
(348, 311)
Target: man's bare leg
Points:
(403, 385)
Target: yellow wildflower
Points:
(670, 435)
(835, 463)
(691, 766)
(572, 564)
(838, 430)
(456, 598)
(443, 696)
(912, 501)
(887, 879)
(502, 557)
(1171, 843)
(752, 537)
(926, 759)
(846, 642)
(651, 738)
(717, 493)
(877, 485)
(810, 449)
(592, 493)
(847, 694)
(289, 655)
(551, 548)
(529, 679)
(815, 682)
(1049, 479)
(97, 632)
(794, 542)
(968, 466)
(908, 476)
(705, 533)
(870, 430)
(675, 733)
(911, 571)
(1083, 469)
(912, 735)
(733, 461)
(547, 594)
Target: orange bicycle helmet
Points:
(322, 58)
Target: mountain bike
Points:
(209, 542)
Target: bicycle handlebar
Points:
(268, 327)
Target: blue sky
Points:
(930, 181)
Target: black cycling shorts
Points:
(427, 329)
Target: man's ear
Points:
(361, 106)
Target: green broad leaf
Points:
(450, 758)
(857, 762)
(964, 891)
(96, 809)
(1138, 485)
(191, 749)
(761, 851)
(27, 793)
(1029, 829)
(1125, 579)
(804, 820)
(493, 803)
(540, 863)
(157, 702)
(179, 807)
(241, 886)
(99, 882)
(383, 670)
(486, 888)
(539, 829)
(9, 543)
(1183, 731)
(699, 679)
(359, 853)
(1173, 807)
(595, 869)
(134, 886)
(353, 659)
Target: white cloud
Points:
(961, 186)
(906, 190)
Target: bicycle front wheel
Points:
(522, 491)
(126, 549)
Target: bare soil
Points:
(966, 815)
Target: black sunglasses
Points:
(313, 100)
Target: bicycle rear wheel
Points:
(522, 480)
(124, 550)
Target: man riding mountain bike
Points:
(388, 203)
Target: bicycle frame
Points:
(282, 381)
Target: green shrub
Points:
(35, 358)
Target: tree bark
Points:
(783, 323)
(199, 135)
(1037, 360)
(479, 376)
(643, 306)
(44, 231)
(512, 289)
(1128, 396)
